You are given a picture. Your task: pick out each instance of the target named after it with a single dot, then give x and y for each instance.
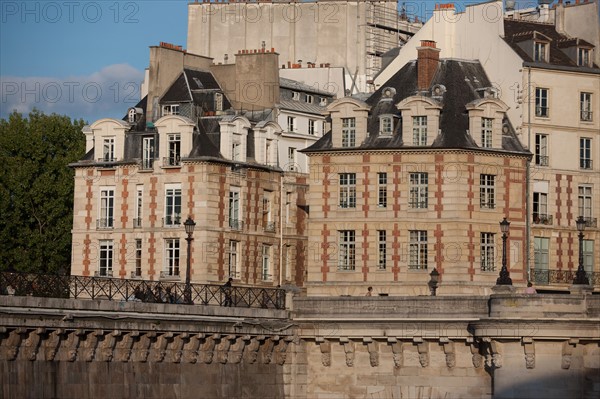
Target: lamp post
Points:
(504, 278)
(580, 276)
(433, 283)
(189, 225)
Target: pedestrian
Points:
(227, 287)
(530, 288)
(369, 291)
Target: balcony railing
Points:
(417, 204)
(487, 205)
(542, 111)
(586, 116)
(590, 222)
(236, 224)
(585, 164)
(137, 290)
(269, 227)
(172, 161)
(171, 221)
(103, 273)
(147, 164)
(539, 218)
(105, 223)
(170, 274)
(542, 160)
(137, 223)
(547, 277)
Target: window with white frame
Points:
(234, 259)
(541, 102)
(236, 151)
(386, 125)
(218, 102)
(108, 149)
(291, 123)
(540, 51)
(419, 130)
(487, 191)
(487, 252)
(347, 250)
(309, 99)
(139, 206)
(347, 190)
(348, 132)
(311, 127)
(419, 190)
(381, 249)
(382, 190)
(138, 257)
(268, 151)
(295, 96)
(486, 132)
(172, 205)
(292, 159)
(147, 152)
(234, 209)
(107, 207)
(266, 273)
(105, 258)
(172, 256)
(583, 57)
(585, 153)
(588, 255)
(585, 101)
(585, 203)
(541, 257)
(540, 208)
(417, 249)
(172, 109)
(268, 223)
(541, 149)
(173, 149)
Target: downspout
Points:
(281, 228)
(528, 180)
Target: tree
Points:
(36, 190)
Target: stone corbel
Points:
(11, 345)
(160, 347)
(176, 349)
(281, 351)
(32, 344)
(348, 350)
(373, 348)
(236, 350)
(494, 355)
(267, 349)
(52, 344)
(476, 357)
(190, 349)
(141, 349)
(529, 348)
(325, 347)
(251, 351)
(89, 346)
(423, 349)
(123, 347)
(449, 352)
(567, 353)
(397, 353)
(208, 347)
(107, 346)
(223, 348)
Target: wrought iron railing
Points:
(540, 218)
(269, 227)
(116, 289)
(546, 277)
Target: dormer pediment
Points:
(488, 105)
(418, 104)
(107, 138)
(347, 104)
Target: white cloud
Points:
(105, 93)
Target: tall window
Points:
(268, 223)
(309, 99)
(585, 203)
(585, 102)
(266, 263)
(292, 159)
(105, 263)
(172, 256)
(218, 102)
(486, 132)
(487, 191)
(541, 102)
(347, 250)
(540, 208)
(487, 252)
(585, 153)
(234, 259)
(417, 249)
(138, 257)
(583, 57)
(382, 190)
(541, 259)
(541, 149)
(268, 151)
(381, 249)
(107, 204)
(311, 127)
(139, 206)
(236, 151)
(291, 122)
(540, 51)
(172, 205)
(588, 255)
(348, 132)
(419, 130)
(347, 190)
(173, 149)
(386, 125)
(419, 191)
(108, 149)
(147, 152)
(234, 209)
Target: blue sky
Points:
(86, 59)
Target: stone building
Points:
(416, 178)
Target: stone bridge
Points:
(503, 346)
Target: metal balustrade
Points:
(547, 277)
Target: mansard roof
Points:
(197, 86)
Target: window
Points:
(323, 102)
(108, 149)
(268, 223)
(417, 249)
(173, 149)
(347, 252)
(541, 149)
(295, 95)
(234, 259)
(172, 256)
(107, 205)
(347, 190)
(268, 151)
(381, 249)
(585, 203)
(309, 99)
(418, 190)
(172, 205)
(218, 102)
(419, 130)
(170, 109)
(105, 258)
(147, 152)
(541, 102)
(583, 57)
(139, 206)
(585, 153)
(486, 132)
(585, 100)
(138, 257)
(486, 191)
(234, 209)
(541, 259)
(540, 51)
(487, 252)
(288, 203)
(292, 159)
(385, 125)
(588, 255)
(540, 208)
(291, 123)
(266, 274)
(236, 151)
(311, 127)
(382, 190)
(348, 132)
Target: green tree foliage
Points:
(36, 190)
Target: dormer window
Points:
(172, 109)
(348, 132)
(323, 102)
(486, 132)
(131, 115)
(419, 130)
(386, 125)
(295, 96)
(540, 51)
(218, 102)
(108, 149)
(309, 99)
(583, 57)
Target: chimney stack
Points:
(427, 63)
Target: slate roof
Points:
(301, 106)
(464, 81)
(299, 86)
(195, 86)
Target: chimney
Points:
(428, 60)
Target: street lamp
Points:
(580, 276)
(433, 283)
(504, 278)
(189, 225)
